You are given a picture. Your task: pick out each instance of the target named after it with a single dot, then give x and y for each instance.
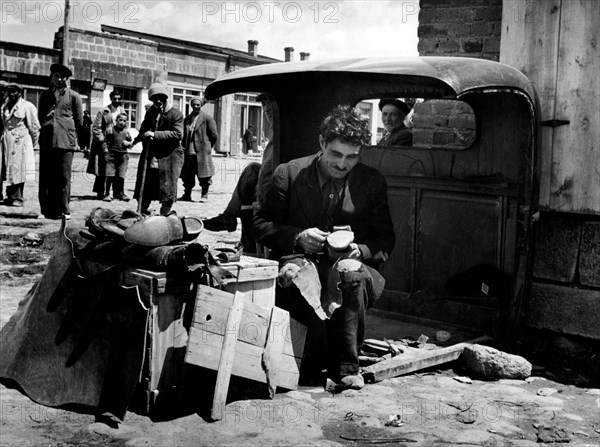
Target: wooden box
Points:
(171, 297)
(234, 336)
(255, 277)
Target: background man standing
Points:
(60, 114)
(307, 199)
(199, 137)
(162, 157)
(101, 129)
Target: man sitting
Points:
(310, 196)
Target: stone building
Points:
(131, 61)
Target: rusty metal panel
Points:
(456, 231)
(398, 269)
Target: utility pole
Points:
(65, 46)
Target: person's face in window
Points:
(391, 116)
(338, 158)
(268, 109)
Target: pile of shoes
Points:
(136, 229)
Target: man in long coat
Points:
(199, 137)
(162, 157)
(60, 113)
(308, 198)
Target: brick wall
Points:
(468, 28)
(443, 123)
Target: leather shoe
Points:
(354, 382)
(222, 222)
(163, 230)
(185, 198)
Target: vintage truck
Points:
(462, 197)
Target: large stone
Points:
(489, 363)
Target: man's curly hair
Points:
(346, 124)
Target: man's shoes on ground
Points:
(106, 198)
(185, 198)
(18, 203)
(222, 222)
(354, 382)
(204, 198)
(123, 198)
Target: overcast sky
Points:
(325, 29)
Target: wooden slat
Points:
(529, 42)
(274, 347)
(575, 147)
(416, 359)
(227, 356)
(250, 274)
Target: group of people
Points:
(173, 147)
(297, 205)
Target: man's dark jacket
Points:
(166, 147)
(294, 203)
(61, 120)
(203, 137)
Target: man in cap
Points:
(60, 113)
(308, 200)
(162, 157)
(393, 112)
(101, 128)
(199, 137)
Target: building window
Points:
(182, 96)
(32, 94)
(130, 104)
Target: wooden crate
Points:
(255, 277)
(232, 335)
(166, 377)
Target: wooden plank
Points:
(251, 274)
(274, 347)
(416, 359)
(530, 42)
(575, 152)
(227, 356)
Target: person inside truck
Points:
(308, 200)
(393, 113)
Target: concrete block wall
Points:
(469, 28)
(119, 59)
(26, 59)
(565, 296)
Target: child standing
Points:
(116, 157)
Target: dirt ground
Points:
(433, 407)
